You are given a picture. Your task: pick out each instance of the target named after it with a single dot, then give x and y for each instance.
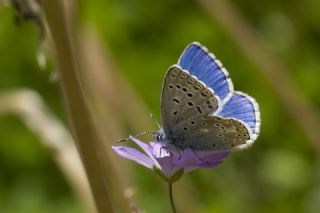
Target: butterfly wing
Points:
(204, 65)
(184, 97)
(245, 109)
(210, 133)
(219, 119)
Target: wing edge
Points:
(253, 135)
(219, 63)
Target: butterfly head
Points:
(160, 136)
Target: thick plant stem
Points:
(171, 197)
(88, 142)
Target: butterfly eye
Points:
(185, 128)
(184, 89)
(178, 86)
(193, 122)
(175, 112)
(217, 124)
(203, 123)
(219, 135)
(170, 86)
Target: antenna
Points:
(142, 133)
(145, 132)
(155, 120)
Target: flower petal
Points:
(147, 149)
(191, 159)
(219, 156)
(168, 167)
(166, 156)
(160, 150)
(211, 165)
(187, 157)
(133, 154)
(189, 168)
(214, 160)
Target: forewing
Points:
(204, 65)
(184, 97)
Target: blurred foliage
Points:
(280, 173)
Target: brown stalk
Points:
(89, 143)
(104, 92)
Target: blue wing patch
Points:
(244, 108)
(203, 65)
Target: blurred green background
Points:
(280, 173)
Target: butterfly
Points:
(200, 109)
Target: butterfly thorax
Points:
(161, 136)
(178, 143)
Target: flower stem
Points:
(171, 197)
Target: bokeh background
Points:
(141, 39)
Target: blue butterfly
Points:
(200, 109)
